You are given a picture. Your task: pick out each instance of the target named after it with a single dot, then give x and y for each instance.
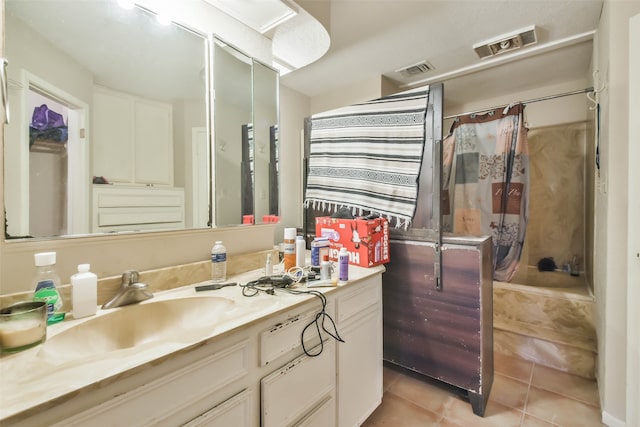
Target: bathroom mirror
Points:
(245, 137)
(126, 110)
(233, 134)
(265, 117)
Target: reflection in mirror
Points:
(233, 135)
(245, 132)
(122, 143)
(265, 116)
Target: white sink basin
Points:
(175, 320)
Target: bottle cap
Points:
(218, 242)
(290, 233)
(343, 250)
(83, 268)
(325, 257)
(45, 258)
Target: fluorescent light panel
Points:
(261, 15)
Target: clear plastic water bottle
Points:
(218, 263)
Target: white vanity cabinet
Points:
(359, 358)
(132, 139)
(192, 388)
(255, 374)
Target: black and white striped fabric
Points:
(367, 156)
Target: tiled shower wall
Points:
(561, 197)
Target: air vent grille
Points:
(415, 69)
(507, 42)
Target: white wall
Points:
(294, 107)
(633, 254)
(612, 234)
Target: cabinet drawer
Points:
(141, 405)
(323, 416)
(285, 336)
(108, 217)
(235, 412)
(293, 391)
(367, 294)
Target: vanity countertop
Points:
(37, 379)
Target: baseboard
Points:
(611, 421)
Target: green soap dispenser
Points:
(46, 285)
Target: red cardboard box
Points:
(366, 240)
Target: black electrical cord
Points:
(316, 321)
(263, 284)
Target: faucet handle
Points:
(130, 277)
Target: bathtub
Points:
(531, 276)
(548, 318)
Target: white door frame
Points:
(78, 171)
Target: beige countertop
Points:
(49, 374)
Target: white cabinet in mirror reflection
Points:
(133, 139)
(123, 208)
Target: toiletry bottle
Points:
(46, 285)
(289, 248)
(343, 265)
(325, 268)
(218, 263)
(84, 292)
(268, 267)
(301, 248)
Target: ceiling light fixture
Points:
(261, 15)
(507, 42)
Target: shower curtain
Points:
(486, 182)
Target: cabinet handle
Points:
(4, 83)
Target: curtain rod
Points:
(543, 98)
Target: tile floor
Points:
(523, 394)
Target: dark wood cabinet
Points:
(445, 334)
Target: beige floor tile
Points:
(459, 412)
(568, 385)
(389, 376)
(422, 391)
(531, 421)
(561, 410)
(397, 412)
(512, 366)
(509, 392)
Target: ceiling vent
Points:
(507, 42)
(415, 69)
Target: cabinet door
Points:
(359, 388)
(153, 143)
(112, 147)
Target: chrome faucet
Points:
(131, 291)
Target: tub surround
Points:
(37, 386)
(553, 327)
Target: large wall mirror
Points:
(109, 128)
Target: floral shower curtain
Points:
(486, 182)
